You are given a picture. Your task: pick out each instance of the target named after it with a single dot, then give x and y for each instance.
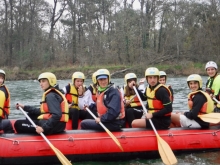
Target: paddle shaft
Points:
(145, 110)
(218, 102)
(59, 154)
(132, 98)
(108, 132)
(95, 118)
(34, 125)
(165, 151)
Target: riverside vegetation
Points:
(173, 69)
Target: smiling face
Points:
(152, 80)
(193, 85)
(103, 82)
(211, 71)
(78, 82)
(162, 80)
(44, 83)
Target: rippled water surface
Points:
(29, 93)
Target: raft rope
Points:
(72, 139)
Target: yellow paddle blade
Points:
(60, 156)
(165, 151)
(115, 139)
(210, 117)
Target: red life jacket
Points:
(45, 113)
(102, 109)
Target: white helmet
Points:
(78, 75)
(211, 64)
(162, 73)
(103, 72)
(152, 71)
(130, 76)
(50, 77)
(195, 77)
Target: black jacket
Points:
(53, 101)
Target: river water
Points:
(28, 92)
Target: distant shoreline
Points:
(116, 71)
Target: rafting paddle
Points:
(165, 151)
(132, 98)
(210, 117)
(106, 129)
(60, 156)
(218, 102)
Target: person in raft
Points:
(159, 103)
(93, 87)
(109, 103)
(199, 103)
(75, 94)
(89, 97)
(213, 82)
(5, 124)
(163, 80)
(52, 115)
(133, 108)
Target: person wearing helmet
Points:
(109, 103)
(5, 124)
(163, 80)
(88, 99)
(133, 108)
(52, 115)
(74, 92)
(213, 82)
(199, 102)
(93, 87)
(159, 102)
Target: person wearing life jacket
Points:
(133, 108)
(109, 103)
(213, 83)
(5, 124)
(199, 103)
(93, 87)
(88, 99)
(75, 94)
(159, 103)
(163, 80)
(53, 113)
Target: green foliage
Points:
(106, 33)
(199, 65)
(178, 67)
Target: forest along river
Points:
(28, 92)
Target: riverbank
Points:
(117, 71)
